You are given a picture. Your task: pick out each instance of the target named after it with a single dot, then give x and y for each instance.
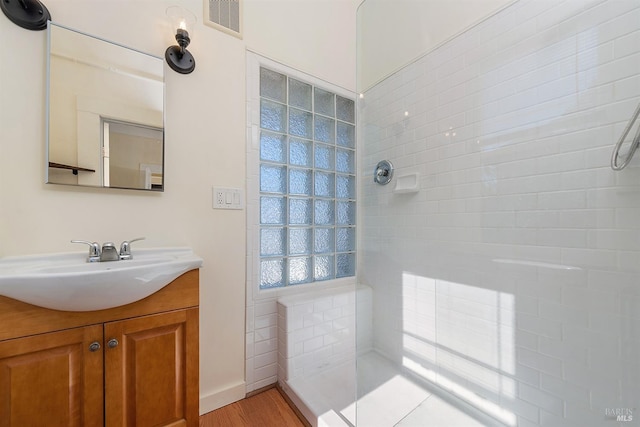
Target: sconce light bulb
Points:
(178, 57)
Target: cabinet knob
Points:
(94, 346)
(113, 343)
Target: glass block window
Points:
(307, 182)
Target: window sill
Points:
(304, 288)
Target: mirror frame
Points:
(103, 109)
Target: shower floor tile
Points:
(386, 398)
(390, 402)
(405, 402)
(436, 412)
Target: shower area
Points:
(504, 254)
(499, 268)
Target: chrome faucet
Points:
(94, 250)
(108, 251)
(125, 248)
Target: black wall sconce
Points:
(29, 14)
(178, 57)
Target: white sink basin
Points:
(66, 281)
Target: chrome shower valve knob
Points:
(383, 172)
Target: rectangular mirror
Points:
(105, 113)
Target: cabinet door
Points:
(151, 374)
(53, 379)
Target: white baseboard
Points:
(220, 398)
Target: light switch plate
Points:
(227, 198)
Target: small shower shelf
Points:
(407, 183)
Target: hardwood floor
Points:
(266, 409)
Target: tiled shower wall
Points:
(511, 277)
(317, 330)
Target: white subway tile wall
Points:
(514, 273)
(317, 331)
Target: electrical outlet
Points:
(227, 198)
(219, 197)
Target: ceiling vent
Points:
(224, 15)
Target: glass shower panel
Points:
(506, 286)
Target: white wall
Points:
(314, 36)
(512, 273)
(392, 33)
(205, 146)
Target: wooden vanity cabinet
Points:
(147, 378)
(135, 365)
(52, 379)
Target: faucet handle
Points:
(125, 248)
(94, 250)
